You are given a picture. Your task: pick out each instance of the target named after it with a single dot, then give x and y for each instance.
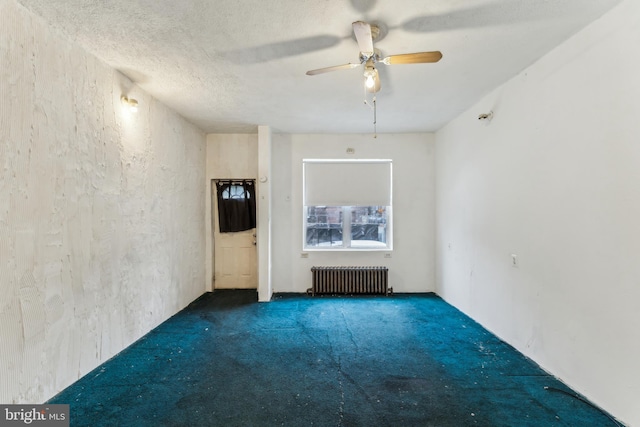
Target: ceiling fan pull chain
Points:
(375, 119)
(366, 102)
(374, 111)
(373, 106)
(365, 97)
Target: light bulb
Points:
(131, 103)
(369, 82)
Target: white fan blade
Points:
(362, 31)
(334, 68)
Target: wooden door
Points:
(235, 258)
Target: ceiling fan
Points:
(365, 34)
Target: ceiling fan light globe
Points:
(369, 81)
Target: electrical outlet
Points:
(514, 260)
(387, 255)
(304, 255)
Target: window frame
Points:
(346, 226)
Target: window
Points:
(347, 204)
(366, 228)
(235, 191)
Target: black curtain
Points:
(236, 205)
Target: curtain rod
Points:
(232, 180)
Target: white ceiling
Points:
(230, 65)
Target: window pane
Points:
(324, 226)
(368, 226)
(235, 192)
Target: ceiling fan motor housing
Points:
(375, 57)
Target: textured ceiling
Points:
(230, 65)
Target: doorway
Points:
(234, 234)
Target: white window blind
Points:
(347, 182)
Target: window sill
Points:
(351, 249)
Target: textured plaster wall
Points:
(101, 211)
(553, 178)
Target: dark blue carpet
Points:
(404, 360)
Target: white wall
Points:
(555, 179)
(264, 234)
(411, 268)
(101, 212)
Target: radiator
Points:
(350, 280)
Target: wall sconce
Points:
(130, 102)
(486, 116)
